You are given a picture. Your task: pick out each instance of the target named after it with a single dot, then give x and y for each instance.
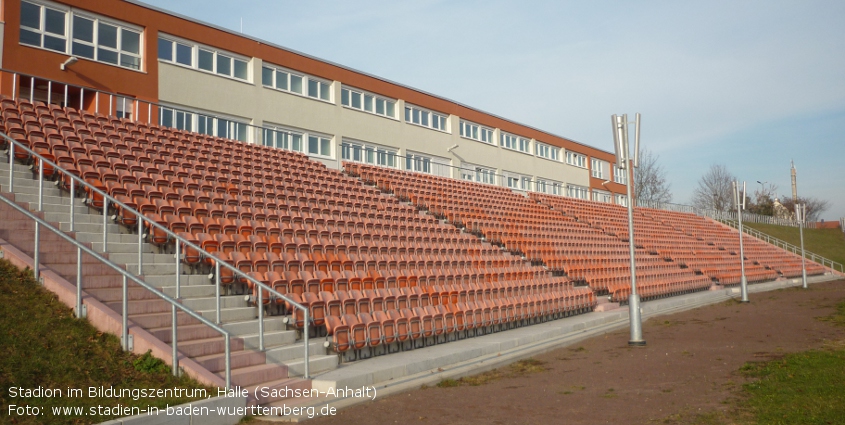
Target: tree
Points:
(815, 207)
(650, 183)
(764, 199)
(715, 189)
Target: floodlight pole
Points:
(800, 212)
(623, 161)
(740, 204)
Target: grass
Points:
(829, 243)
(520, 368)
(43, 345)
(801, 388)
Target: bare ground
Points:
(687, 374)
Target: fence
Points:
(787, 246)
(747, 217)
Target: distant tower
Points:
(794, 184)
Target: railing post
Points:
(228, 362)
(125, 319)
(36, 269)
(306, 330)
(217, 291)
(72, 198)
(11, 167)
(178, 271)
(105, 224)
(40, 185)
(140, 244)
(260, 318)
(174, 342)
(78, 282)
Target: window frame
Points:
(306, 79)
(69, 13)
(232, 128)
(366, 150)
(552, 187)
(441, 117)
(215, 58)
(516, 141)
(597, 168)
(602, 196)
(576, 156)
(620, 175)
(376, 99)
(552, 153)
(480, 131)
(577, 192)
(305, 140)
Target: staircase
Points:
(280, 365)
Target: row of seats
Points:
(314, 234)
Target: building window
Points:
(478, 174)
(203, 58)
(312, 144)
(579, 192)
(319, 145)
(282, 139)
(176, 52)
(367, 102)
(418, 163)
(202, 123)
(552, 187)
(368, 154)
(91, 37)
(576, 159)
(174, 118)
(549, 152)
(293, 82)
(602, 196)
(599, 169)
(619, 175)
(516, 143)
(622, 200)
(124, 107)
(517, 182)
(476, 132)
(425, 118)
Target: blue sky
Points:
(748, 84)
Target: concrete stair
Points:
(275, 367)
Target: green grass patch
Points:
(43, 345)
(801, 388)
(829, 243)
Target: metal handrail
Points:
(126, 275)
(720, 215)
(833, 265)
(141, 219)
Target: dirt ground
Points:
(689, 368)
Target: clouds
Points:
(716, 81)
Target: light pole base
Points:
(636, 321)
(744, 301)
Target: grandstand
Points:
(371, 248)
